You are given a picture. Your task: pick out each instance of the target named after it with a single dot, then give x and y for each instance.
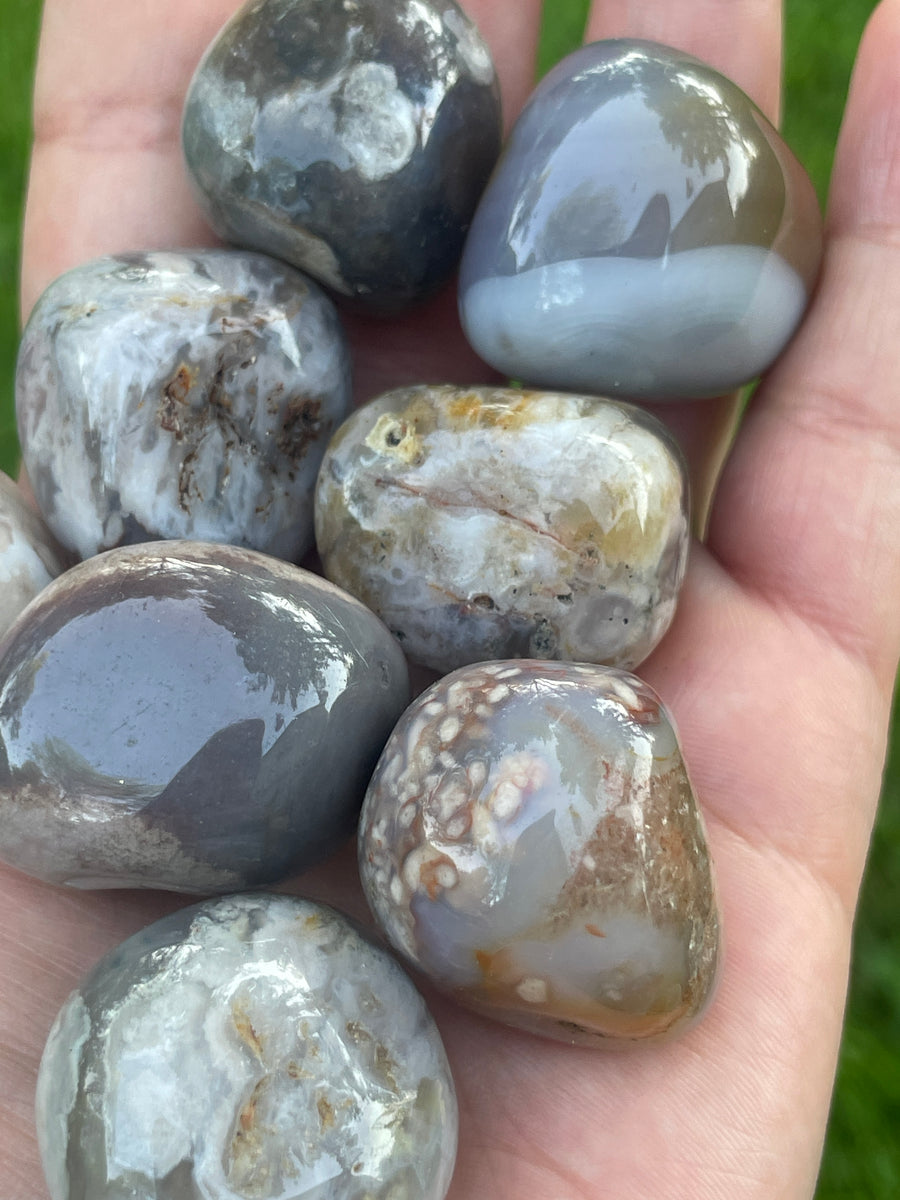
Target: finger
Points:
(805, 524)
(106, 170)
(809, 511)
(740, 38)
(511, 30)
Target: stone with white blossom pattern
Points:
(351, 139)
(531, 842)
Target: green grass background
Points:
(862, 1155)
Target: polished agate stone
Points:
(189, 716)
(254, 1047)
(647, 232)
(352, 139)
(29, 554)
(180, 395)
(495, 523)
(531, 842)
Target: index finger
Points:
(743, 40)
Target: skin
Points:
(779, 667)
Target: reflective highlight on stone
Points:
(647, 232)
(189, 716)
(491, 523)
(29, 555)
(352, 140)
(191, 395)
(249, 1048)
(530, 840)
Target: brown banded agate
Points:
(531, 842)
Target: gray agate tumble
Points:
(188, 716)
(351, 139)
(29, 555)
(496, 523)
(647, 232)
(530, 840)
(180, 395)
(254, 1047)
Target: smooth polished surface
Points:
(188, 716)
(351, 139)
(189, 395)
(251, 1048)
(530, 840)
(29, 555)
(493, 523)
(647, 233)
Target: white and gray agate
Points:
(497, 523)
(647, 232)
(530, 841)
(351, 139)
(249, 1048)
(29, 555)
(189, 395)
(189, 716)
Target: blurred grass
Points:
(862, 1154)
(18, 32)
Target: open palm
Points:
(779, 666)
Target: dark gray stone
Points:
(647, 232)
(189, 716)
(351, 139)
(254, 1047)
(180, 395)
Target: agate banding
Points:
(647, 233)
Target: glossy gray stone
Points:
(489, 523)
(29, 554)
(530, 840)
(189, 395)
(254, 1047)
(646, 233)
(188, 716)
(351, 139)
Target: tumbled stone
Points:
(188, 716)
(530, 841)
(496, 523)
(180, 395)
(352, 140)
(255, 1047)
(29, 555)
(647, 232)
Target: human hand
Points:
(779, 667)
